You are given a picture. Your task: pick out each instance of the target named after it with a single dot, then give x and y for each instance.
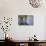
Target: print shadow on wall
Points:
(26, 20)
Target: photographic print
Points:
(25, 20)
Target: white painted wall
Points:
(24, 32)
(23, 7)
(45, 28)
(13, 8)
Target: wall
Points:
(13, 8)
(45, 28)
(23, 7)
(24, 32)
(7, 8)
